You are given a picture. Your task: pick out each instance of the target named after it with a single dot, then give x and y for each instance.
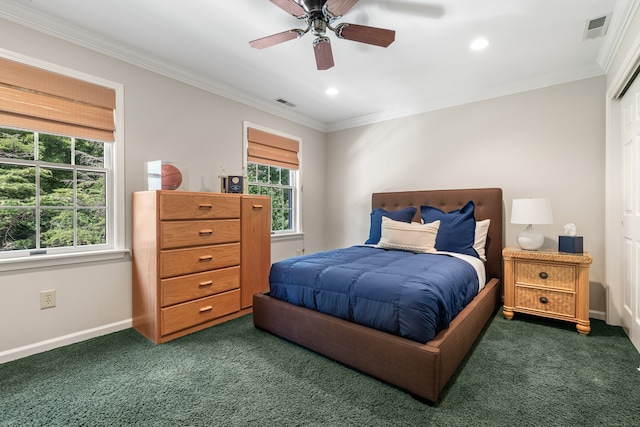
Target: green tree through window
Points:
(53, 192)
(279, 184)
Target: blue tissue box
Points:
(570, 244)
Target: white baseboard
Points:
(39, 347)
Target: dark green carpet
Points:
(524, 372)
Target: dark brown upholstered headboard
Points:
(488, 205)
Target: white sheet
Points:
(476, 263)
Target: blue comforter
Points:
(406, 294)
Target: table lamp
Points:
(531, 211)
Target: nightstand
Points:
(547, 283)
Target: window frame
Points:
(38, 164)
(115, 184)
(296, 230)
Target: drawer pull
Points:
(204, 284)
(206, 258)
(257, 206)
(544, 300)
(205, 206)
(206, 232)
(543, 275)
(205, 309)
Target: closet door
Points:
(630, 268)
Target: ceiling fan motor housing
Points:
(312, 5)
(318, 27)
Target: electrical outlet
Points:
(48, 298)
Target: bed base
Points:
(421, 369)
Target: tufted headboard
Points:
(488, 205)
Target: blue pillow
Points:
(457, 228)
(375, 232)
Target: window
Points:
(53, 192)
(58, 163)
(273, 169)
(279, 183)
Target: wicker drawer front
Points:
(547, 301)
(193, 286)
(178, 205)
(549, 275)
(182, 316)
(180, 234)
(178, 262)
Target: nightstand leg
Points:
(583, 329)
(507, 313)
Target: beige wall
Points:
(164, 119)
(543, 143)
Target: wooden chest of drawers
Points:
(197, 259)
(547, 283)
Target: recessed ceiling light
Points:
(332, 91)
(479, 44)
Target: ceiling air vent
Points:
(285, 102)
(596, 28)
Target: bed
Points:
(422, 369)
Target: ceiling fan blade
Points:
(276, 38)
(324, 55)
(339, 7)
(290, 7)
(363, 34)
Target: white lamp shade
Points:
(531, 211)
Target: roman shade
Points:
(273, 150)
(36, 99)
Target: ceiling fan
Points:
(319, 15)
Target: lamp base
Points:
(530, 239)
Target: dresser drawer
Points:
(548, 275)
(182, 205)
(178, 262)
(179, 234)
(185, 288)
(185, 315)
(545, 300)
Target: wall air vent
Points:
(596, 28)
(285, 102)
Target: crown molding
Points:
(621, 18)
(620, 21)
(45, 24)
(536, 82)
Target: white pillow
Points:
(480, 242)
(414, 237)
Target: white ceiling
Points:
(533, 43)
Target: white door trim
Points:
(613, 185)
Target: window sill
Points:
(44, 261)
(287, 236)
